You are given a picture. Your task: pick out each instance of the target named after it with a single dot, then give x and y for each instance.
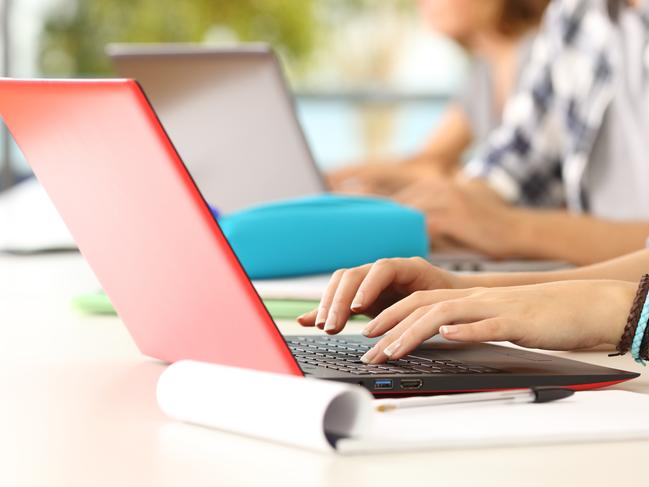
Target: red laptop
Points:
(138, 218)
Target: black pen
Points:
(534, 394)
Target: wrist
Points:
(467, 281)
(519, 232)
(624, 296)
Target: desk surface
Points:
(78, 408)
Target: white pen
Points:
(534, 394)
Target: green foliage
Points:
(75, 35)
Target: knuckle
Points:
(338, 273)
(418, 261)
(417, 296)
(445, 307)
(383, 262)
(356, 272)
(365, 267)
(494, 327)
(421, 311)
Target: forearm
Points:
(445, 146)
(578, 239)
(425, 162)
(629, 267)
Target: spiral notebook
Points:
(341, 418)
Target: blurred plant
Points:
(76, 32)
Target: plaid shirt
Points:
(539, 153)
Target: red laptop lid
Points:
(100, 152)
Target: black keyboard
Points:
(343, 355)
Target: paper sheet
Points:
(587, 416)
(29, 222)
(308, 413)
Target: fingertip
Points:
(321, 317)
(378, 359)
(448, 331)
(332, 320)
(401, 347)
(378, 356)
(454, 333)
(358, 301)
(401, 351)
(369, 329)
(370, 333)
(337, 327)
(308, 318)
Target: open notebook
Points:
(337, 417)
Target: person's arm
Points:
(580, 239)
(411, 301)
(372, 288)
(538, 234)
(629, 267)
(567, 315)
(446, 144)
(474, 216)
(440, 155)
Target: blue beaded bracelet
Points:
(640, 331)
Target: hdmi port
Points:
(411, 384)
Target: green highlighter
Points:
(280, 309)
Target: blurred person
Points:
(497, 34)
(566, 174)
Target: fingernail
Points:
(331, 321)
(448, 330)
(392, 348)
(368, 328)
(369, 355)
(357, 303)
(320, 317)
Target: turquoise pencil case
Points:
(319, 234)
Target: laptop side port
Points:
(411, 384)
(383, 384)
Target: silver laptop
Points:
(230, 116)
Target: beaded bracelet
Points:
(634, 316)
(640, 331)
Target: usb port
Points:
(411, 384)
(383, 384)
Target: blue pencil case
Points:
(319, 234)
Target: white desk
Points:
(78, 409)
